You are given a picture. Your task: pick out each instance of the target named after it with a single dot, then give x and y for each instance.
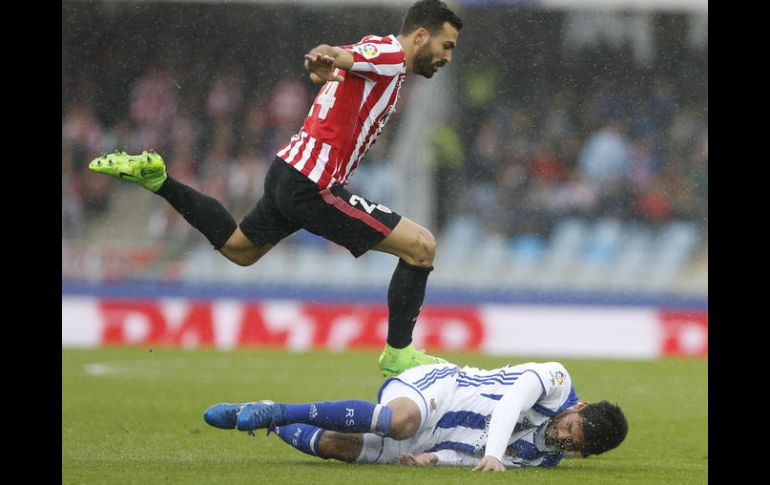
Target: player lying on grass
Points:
(441, 414)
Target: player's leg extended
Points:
(416, 248)
(359, 225)
(322, 443)
(409, 414)
(306, 438)
(353, 447)
(398, 420)
(349, 416)
(204, 213)
(406, 420)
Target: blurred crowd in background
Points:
(541, 132)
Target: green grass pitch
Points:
(132, 415)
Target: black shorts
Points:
(293, 201)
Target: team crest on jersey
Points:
(557, 378)
(370, 51)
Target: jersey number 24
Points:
(325, 99)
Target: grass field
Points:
(135, 416)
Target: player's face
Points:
(566, 431)
(437, 52)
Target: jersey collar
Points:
(393, 37)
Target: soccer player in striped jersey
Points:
(305, 185)
(525, 415)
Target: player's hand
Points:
(423, 459)
(322, 66)
(316, 80)
(490, 463)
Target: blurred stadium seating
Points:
(573, 156)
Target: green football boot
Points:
(395, 361)
(146, 169)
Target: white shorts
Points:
(431, 388)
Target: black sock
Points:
(204, 213)
(405, 295)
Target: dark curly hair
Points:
(430, 14)
(604, 427)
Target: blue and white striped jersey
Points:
(461, 402)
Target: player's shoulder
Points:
(552, 371)
(555, 370)
(386, 44)
(387, 49)
(557, 374)
(539, 365)
(555, 366)
(377, 39)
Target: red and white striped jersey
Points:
(347, 116)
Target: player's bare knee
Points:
(246, 259)
(239, 256)
(403, 426)
(424, 249)
(430, 248)
(242, 252)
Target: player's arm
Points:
(423, 459)
(522, 395)
(439, 458)
(323, 59)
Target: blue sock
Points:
(303, 437)
(351, 416)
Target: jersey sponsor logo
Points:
(557, 378)
(370, 51)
